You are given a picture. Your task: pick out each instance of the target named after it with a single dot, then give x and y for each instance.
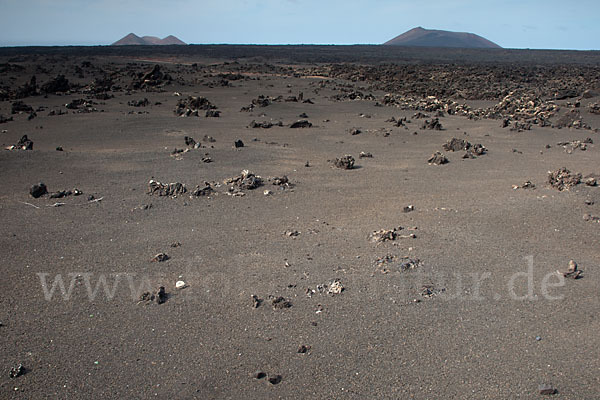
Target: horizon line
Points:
(286, 44)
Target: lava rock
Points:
(279, 303)
(345, 162)
(546, 390)
(455, 144)
(19, 106)
(563, 179)
(437, 158)
(17, 371)
(161, 295)
(166, 189)
(301, 124)
(59, 84)
(160, 257)
(192, 106)
(433, 124)
(38, 190)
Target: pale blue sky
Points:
(539, 24)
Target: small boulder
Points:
(38, 190)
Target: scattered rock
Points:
(363, 154)
(82, 106)
(572, 272)
(525, 185)
(192, 106)
(151, 79)
(4, 119)
(571, 119)
(303, 349)
(23, 144)
(455, 144)
(245, 181)
(59, 84)
(209, 139)
(594, 108)
(17, 371)
(38, 190)
(280, 181)
(238, 143)
(301, 124)
(190, 142)
(477, 150)
(352, 95)
(259, 375)
(433, 124)
(263, 125)
(408, 208)
(138, 103)
(28, 89)
(160, 257)
(274, 379)
(563, 179)
(20, 107)
(545, 389)
(280, 303)
(180, 285)
(519, 126)
(437, 158)
(205, 190)
(430, 291)
(166, 189)
(384, 235)
(161, 295)
(64, 193)
(345, 162)
(591, 181)
(590, 217)
(390, 263)
(291, 233)
(408, 263)
(335, 287)
(574, 145)
(256, 302)
(355, 131)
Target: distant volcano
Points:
(420, 37)
(133, 39)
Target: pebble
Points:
(545, 389)
(303, 349)
(259, 375)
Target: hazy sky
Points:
(547, 24)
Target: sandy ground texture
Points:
(288, 269)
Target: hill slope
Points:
(420, 37)
(133, 39)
